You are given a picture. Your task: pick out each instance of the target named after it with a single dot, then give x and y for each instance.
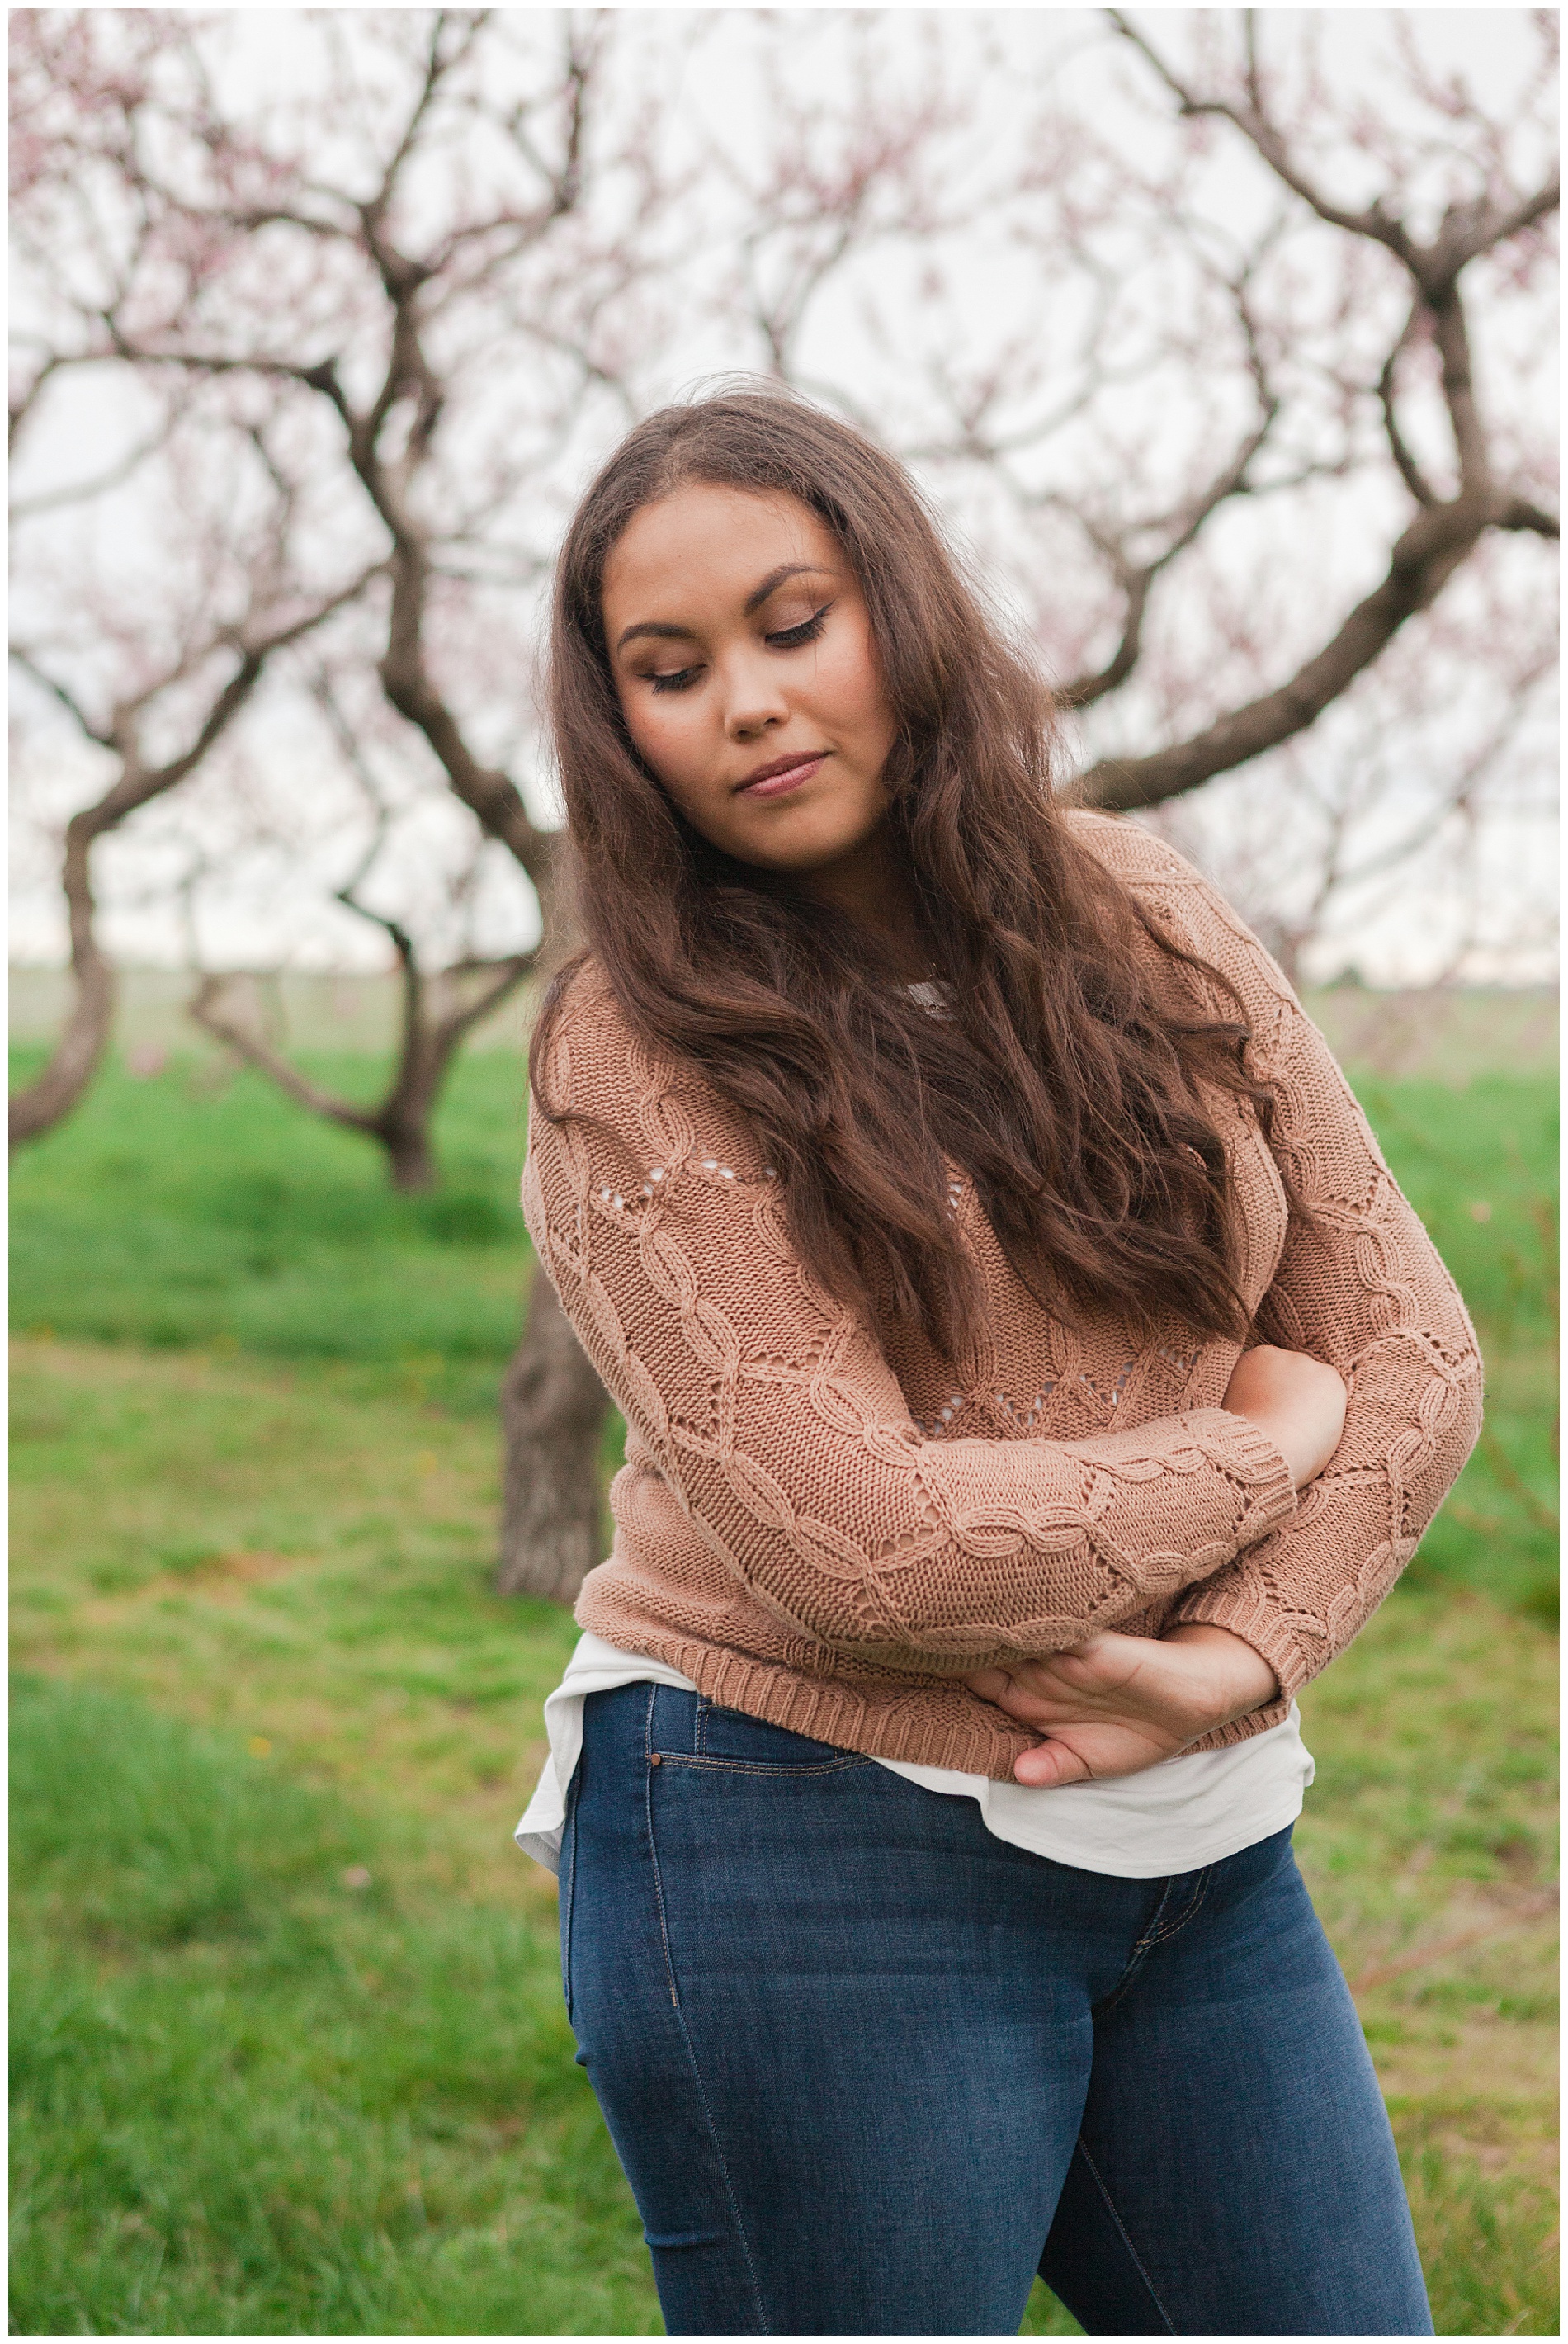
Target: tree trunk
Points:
(410, 1159)
(552, 1413)
(74, 1061)
(78, 1053)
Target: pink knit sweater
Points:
(822, 1526)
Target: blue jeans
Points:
(869, 2068)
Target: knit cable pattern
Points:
(823, 1525)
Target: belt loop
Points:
(674, 1717)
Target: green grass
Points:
(253, 2096)
(200, 1208)
(258, 2091)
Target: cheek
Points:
(673, 742)
(850, 686)
(659, 732)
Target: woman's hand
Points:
(1114, 1704)
(1298, 1402)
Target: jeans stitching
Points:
(685, 2031)
(699, 1754)
(763, 1765)
(569, 1908)
(1159, 1932)
(1138, 1956)
(1194, 1905)
(658, 1886)
(1122, 2234)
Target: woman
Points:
(1032, 1378)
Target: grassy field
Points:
(289, 2048)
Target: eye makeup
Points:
(785, 639)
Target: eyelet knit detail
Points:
(820, 1540)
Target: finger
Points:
(1048, 1707)
(1025, 1707)
(990, 1683)
(1049, 1765)
(1044, 1678)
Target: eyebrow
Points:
(754, 601)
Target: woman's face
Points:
(742, 655)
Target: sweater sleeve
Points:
(783, 1432)
(1361, 1286)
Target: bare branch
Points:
(21, 407)
(1521, 513)
(82, 491)
(205, 1006)
(1466, 234)
(1496, 224)
(438, 63)
(1233, 479)
(23, 658)
(1255, 126)
(84, 1037)
(1410, 471)
(1422, 560)
(1083, 691)
(1452, 334)
(400, 1120)
(505, 977)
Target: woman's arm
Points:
(1117, 1705)
(1362, 1289)
(783, 1432)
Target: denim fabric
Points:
(868, 2067)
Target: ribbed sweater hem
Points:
(844, 1715)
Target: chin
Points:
(784, 850)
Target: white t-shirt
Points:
(1174, 1817)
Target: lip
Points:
(782, 774)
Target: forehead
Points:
(709, 544)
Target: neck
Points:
(869, 887)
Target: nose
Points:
(754, 699)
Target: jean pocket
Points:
(727, 1737)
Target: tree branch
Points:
(438, 63)
(1424, 558)
(1521, 512)
(79, 492)
(490, 795)
(256, 1051)
(76, 1057)
(1452, 335)
(1232, 480)
(1409, 470)
(23, 658)
(1254, 124)
(1466, 233)
(1443, 534)
(506, 976)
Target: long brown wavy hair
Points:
(1064, 1081)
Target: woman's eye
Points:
(806, 632)
(785, 638)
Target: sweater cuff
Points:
(1248, 1455)
(1240, 1609)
